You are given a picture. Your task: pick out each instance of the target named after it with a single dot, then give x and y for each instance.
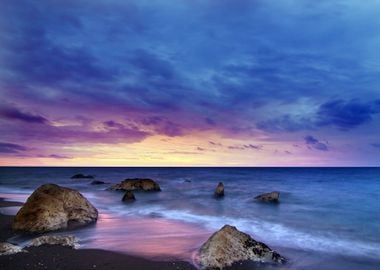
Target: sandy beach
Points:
(59, 257)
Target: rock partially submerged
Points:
(145, 184)
(128, 197)
(219, 191)
(51, 207)
(82, 176)
(9, 249)
(229, 245)
(63, 240)
(269, 197)
(97, 182)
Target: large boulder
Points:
(219, 191)
(145, 184)
(63, 240)
(51, 207)
(269, 197)
(228, 246)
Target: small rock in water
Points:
(229, 245)
(97, 182)
(269, 197)
(64, 240)
(128, 197)
(9, 249)
(219, 191)
(82, 176)
(144, 184)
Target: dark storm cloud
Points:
(346, 114)
(35, 56)
(174, 68)
(314, 143)
(343, 114)
(377, 145)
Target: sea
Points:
(327, 218)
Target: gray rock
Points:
(9, 249)
(269, 197)
(229, 245)
(63, 240)
(128, 197)
(219, 191)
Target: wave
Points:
(274, 234)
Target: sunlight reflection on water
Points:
(152, 237)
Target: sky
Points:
(190, 83)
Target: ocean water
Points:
(327, 218)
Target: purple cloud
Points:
(55, 156)
(245, 147)
(163, 126)
(11, 148)
(16, 114)
(315, 143)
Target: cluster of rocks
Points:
(130, 185)
(52, 207)
(266, 197)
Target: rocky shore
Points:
(64, 257)
(51, 207)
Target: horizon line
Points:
(168, 166)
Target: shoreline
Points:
(67, 258)
(60, 257)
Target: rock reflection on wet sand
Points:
(152, 237)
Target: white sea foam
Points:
(275, 235)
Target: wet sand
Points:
(58, 257)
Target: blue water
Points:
(327, 218)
